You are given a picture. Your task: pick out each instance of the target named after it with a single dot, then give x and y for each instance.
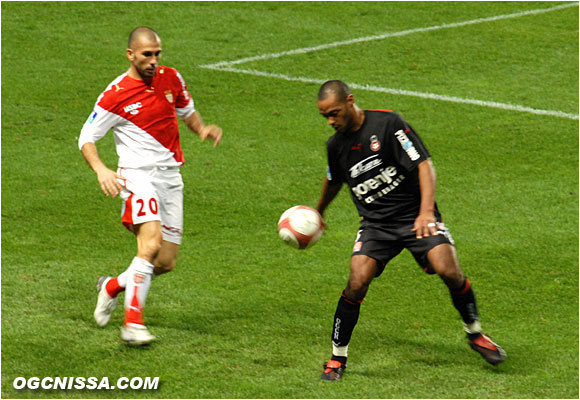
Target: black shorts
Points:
(383, 242)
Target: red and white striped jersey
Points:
(143, 119)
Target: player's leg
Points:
(109, 287)
(149, 241)
(443, 259)
(363, 269)
(166, 258)
(140, 205)
(142, 217)
(169, 185)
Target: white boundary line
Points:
(401, 92)
(384, 36)
(226, 65)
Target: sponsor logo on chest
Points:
(365, 165)
(387, 180)
(133, 109)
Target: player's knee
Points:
(151, 246)
(453, 278)
(357, 288)
(162, 266)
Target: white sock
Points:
(472, 328)
(138, 283)
(122, 278)
(341, 351)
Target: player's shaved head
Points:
(144, 52)
(339, 89)
(142, 33)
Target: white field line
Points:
(400, 92)
(227, 65)
(384, 36)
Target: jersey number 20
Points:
(152, 207)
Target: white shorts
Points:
(153, 195)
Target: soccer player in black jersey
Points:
(392, 183)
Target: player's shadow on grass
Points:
(199, 323)
(415, 353)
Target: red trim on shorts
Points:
(128, 214)
(127, 218)
(171, 229)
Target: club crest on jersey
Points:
(169, 96)
(375, 144)
(133, 109)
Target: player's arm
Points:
(107, 178)
(195, 123)
(329, 192)
(425, 222)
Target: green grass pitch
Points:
(243, 315)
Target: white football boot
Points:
(136, 335)
(105, 303)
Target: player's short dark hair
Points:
(336, 87)
(142, 31)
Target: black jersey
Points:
(379, 164)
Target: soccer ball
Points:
(300, 227)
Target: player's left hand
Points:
(213, 132)
(425, 225)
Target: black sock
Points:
(473, 336)
(345, 319)
(464, 301)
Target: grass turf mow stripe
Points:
(227, 65)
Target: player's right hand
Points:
(109, 181)
(213, 132)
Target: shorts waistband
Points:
(156, 168)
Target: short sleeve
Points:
(184, 105)
(408, 148)
(97, 125)
(335, 174)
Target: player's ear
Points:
(130, 54)
(350, 99)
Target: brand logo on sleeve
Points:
(133, 109)
(407, 145)
(92, 117)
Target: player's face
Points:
(338, 112)
(145, 57)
